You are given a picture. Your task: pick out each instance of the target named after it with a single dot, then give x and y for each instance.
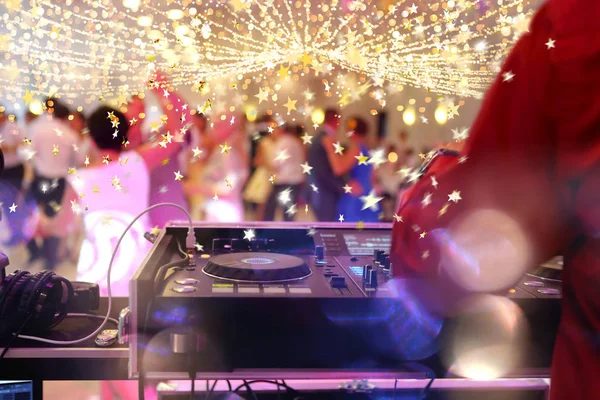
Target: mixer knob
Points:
(373, 278)
(381, 258)
(376, 255)
(387, 264)
(366, 270)
(338, 282)
(319, 252)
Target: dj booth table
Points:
(40, 362)
(31, 360)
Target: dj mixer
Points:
(267, 296)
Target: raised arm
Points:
(153, 153)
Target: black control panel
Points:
(268, 296)
(328, 263)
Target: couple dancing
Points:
(340, 173)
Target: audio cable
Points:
(190, 242)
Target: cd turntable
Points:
(257, 268)
(277, 297)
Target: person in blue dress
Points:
(361, 175)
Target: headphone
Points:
(33, 303)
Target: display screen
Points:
(363, 243)
(16, 390)
(285, 241)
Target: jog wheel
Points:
(257, 267)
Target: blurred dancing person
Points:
(112, 192)
(361, 177)
(12, 139)
(225, 172)
(55, 146)
(329, 164)
(285, 163)
(11, 181)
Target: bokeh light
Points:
(441, 115)
(409, 116)
(487, 340)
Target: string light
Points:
(441, 115)
(94, 49)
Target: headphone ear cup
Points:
(28, 304)
(9, 311)
(7, 284)
(27, 292)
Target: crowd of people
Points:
(73, 182)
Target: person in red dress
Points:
(525, 187)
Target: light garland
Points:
(93, 50)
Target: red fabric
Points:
(534, 154)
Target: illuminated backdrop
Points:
(100, 50)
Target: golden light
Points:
(441, 116)
(145, 20)
(392, 157)
(409, 117)
(488, 339)
(238, 37)
(251, 114)
(317, 116)
(36, 107)
(175, 14)
(132, 4)
(155, 35)
(182, 30)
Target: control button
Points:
(186, 281)
(376, 254)
(372, 281)
(387, 265)
(338, 282)
(534, 283)
(366, 271)
(319, 252)
(300, 290)
(549, 291)
(381, 258)
(353, 259)
(217, 289)
(274, 289)
(184, 289)
(248, 289)
(512, 291)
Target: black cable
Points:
(278, 391)
(229, 385)
(425, 392)
(10, 342)
(284, 385)
(162, 272)
(212, 389)
(193, 389)
(249, 390)
(395, 386)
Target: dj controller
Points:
(267, 296)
